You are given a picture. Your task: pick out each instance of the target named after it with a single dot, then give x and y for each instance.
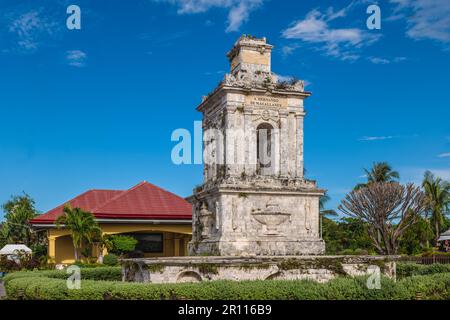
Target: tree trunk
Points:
(76, 253)
(436, 226)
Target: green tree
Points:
(326, 212)
(437, 193)
(380, 172)
(3, 235)
(346, 236)
(416, 238)
(19, 210)
(82, 226)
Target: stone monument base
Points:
(272, 247)
(207, 268)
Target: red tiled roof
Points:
(143, 201)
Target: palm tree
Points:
(82, 226)
(323, 200)
(438, 200)
(323, 213)
(380, 172)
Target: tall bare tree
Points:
(389, 208)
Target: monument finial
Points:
(251, 54)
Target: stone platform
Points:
(208, 268)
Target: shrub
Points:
(87, 264)
(110, 260)
(7, 265)
(100, 273)
(39, 250)
(122, 244)
(408, 269)
(48, 285)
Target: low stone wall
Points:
(196, 269)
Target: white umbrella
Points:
(13, 249)
(445, 236)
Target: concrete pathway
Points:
(2, 290)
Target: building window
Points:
(149, 242)
(264, 148)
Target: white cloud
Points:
(239, 10)
(444, 155)
(442, 173)
(76, 58)
(341, 43)
(426, 19)
(380, 60)
(288, 50)
(29, 29)
(415, 175)
(375, 138)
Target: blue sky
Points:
(95, 108)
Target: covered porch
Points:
(162, 240)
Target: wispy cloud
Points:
(287, 50)
(378, 138)
(76, 58)
(380, 60)
(341, 43)
(444, 155)
(415, 175)
(158, 39)
(209, 73)
(426, 19)
(375, 138)
(238, 10)
(30, 28)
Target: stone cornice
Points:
(246, 91)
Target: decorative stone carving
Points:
(206, 219)
(271, 217)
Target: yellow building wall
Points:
(175, 240)
(64, 251)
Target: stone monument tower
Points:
(254, 199)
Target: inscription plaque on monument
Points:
(266, 101)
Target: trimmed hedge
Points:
(30, 285)
(110, 260)
(100, 273)
(408, 269)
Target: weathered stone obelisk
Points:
(255, 217)
(255, 199)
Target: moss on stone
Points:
(334, 264)
(250, 266)
(208, 268)
(156, 268)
